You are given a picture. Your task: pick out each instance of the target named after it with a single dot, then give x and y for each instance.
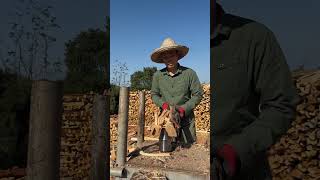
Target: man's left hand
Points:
(231, 162)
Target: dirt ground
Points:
(195, 159)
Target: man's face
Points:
(170, 58)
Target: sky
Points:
(294, 22)
(138, 27)
(72, 17)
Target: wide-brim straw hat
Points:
(167, 45)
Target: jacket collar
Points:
(179, 70)
(222, 28)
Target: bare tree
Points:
(31, 37)
(120, 73)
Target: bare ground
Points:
(194, 159)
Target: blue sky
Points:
(138, 27)
(294, 22)
(72, 17)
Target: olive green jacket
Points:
(183, 89)
(253, 95)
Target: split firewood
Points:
(296, 154)
(155, 154)
(145, 138)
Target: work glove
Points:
(181, 112)
(230, 160)
(165, 106)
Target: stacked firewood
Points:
(113, 129)
(76, 136)
(202, 111)
(150, 108)
(14, 173)
(297, 154)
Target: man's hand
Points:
(230, 160)
(181, 112)
(165, 106)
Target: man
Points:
(178, 86)
(253, 96)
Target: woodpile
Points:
(150, 108)
(14, 173)
(113, 130)
(296, 155)
(76, 136)
(142, 174)
(202, 111)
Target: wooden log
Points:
(44, 131)
(99, 139)
(141, 118)
(154, 154)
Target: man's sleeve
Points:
(155, 91)
(278, 99)
(196, 94)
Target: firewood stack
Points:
(113, 129)
(202, 111)
(150, 108)
(14, 173)
(76, 136)
(296, 155)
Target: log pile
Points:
(150, 108)
(202, 111)
(76, 136)
(14, 173)
(113, 130)
(297, 154)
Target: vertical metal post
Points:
(99, 139)
(122, 126)
(141, 117)
(44, 131)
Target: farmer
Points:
(253, 94)
(176, 85)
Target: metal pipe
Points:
(117, 172)
(140, 137)
(123, 126)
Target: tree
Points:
(25, 59)
(120, 72)
(31, 29)
(14, 112)
(86, 60)
(142, 79)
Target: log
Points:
(154, 154)
(44, 131)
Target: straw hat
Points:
(167, 45)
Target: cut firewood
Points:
(145, 138)
(296, 154)
(154, 154)
(170, 129)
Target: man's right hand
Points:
(165, 106)
(231, 161)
